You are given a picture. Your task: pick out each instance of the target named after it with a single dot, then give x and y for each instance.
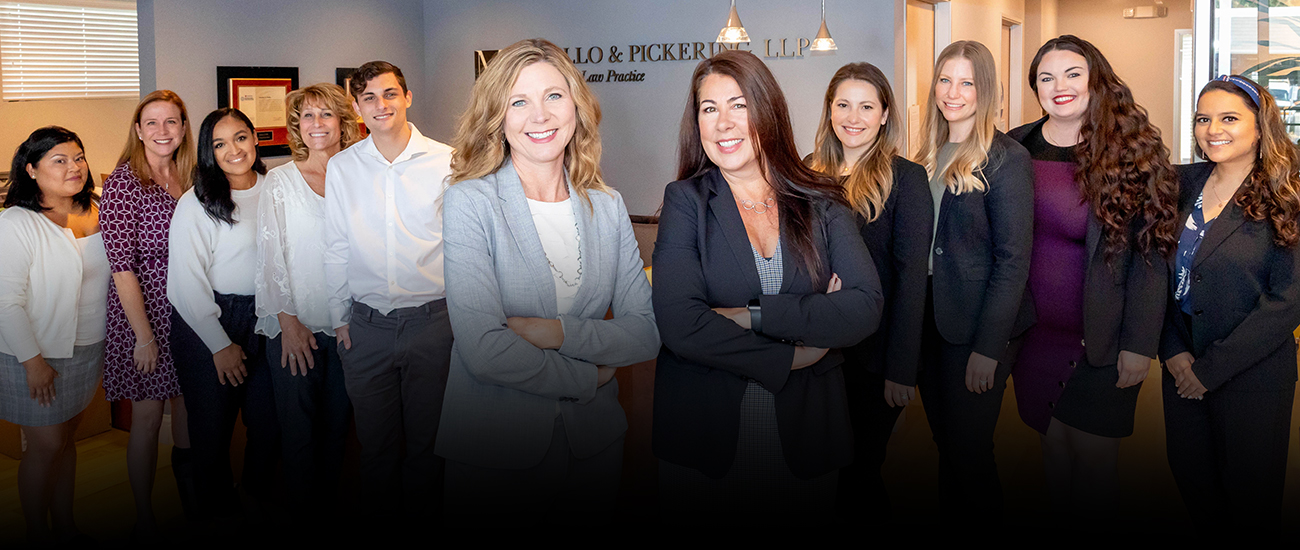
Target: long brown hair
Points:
(1124, 171)
(480, 145)
(185, 156)
(871, 177)
(1273, 189)
(795, 185)
(965, 172)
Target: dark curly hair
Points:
(1124, 171)
(1273, 189)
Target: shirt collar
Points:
(415, 147)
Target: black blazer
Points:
(1246, 296)
(981, 255)
(1123, 301)
(899, 242)
(702, 260)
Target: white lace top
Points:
(291, 253)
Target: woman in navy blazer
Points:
(538, 249)
(1230, 358)
(982, 187)
(857, 142)
(750, 414)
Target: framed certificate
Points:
(259, 92)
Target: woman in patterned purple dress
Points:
(135, 213)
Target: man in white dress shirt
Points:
(383, 269)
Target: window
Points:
(67, 51)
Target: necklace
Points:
(758, 207)
(556, 271)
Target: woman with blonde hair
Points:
(531, 426)
(981, 183)
(156, 167)
(1230, 358)
(291, 298)
(857, 140)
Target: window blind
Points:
(56, 52)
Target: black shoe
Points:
(183, 469)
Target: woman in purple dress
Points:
(135, 214)
(1104, 217)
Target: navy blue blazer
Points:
(1246, 294)
(703, 260)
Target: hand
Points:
(1179, 363)
(805, 356)
(738, 315)
(834, 284)
(146, 357)
(1132, 369)
(341, 333)
(604, 375)
(980, 371)
(296, 343)
(898, 395)
(1189, 387)
(542, 333)
(230, 365)
(40, 380)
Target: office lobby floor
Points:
(1149, 498)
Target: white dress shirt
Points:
(206, 256)
(41, 286)
(383, 226)
(291, 253)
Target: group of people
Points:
(791, 317)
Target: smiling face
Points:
(954, 91)
(62, 172)
(541, 115)
(234, 146)
(383, 104)
(160, 128)
(319, 127)
(724, 125)
(1063, 85)
(856, 117)
(1225, 127)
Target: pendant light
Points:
(734, 32)
(823, 42)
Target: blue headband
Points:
(1244, 84)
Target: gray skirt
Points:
(75, 386)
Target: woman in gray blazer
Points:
(537, 250)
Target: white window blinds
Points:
(53, 52)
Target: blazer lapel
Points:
(1093, 235)
(945, 206)
(591, 260)
(723, 206)
(1224, 226)
(519, 219)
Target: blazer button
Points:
(1063, 382)
(1198, 312)
(1083, 343)
(1197, 278)
(1072, 365)
(938, 251)
(1051, 405)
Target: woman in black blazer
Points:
(1230, 357)
(982, 187)
(759, 268)
(1105, 221)
(857, 141)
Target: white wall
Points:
(100, 123)
(641, 119)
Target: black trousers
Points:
(861, 495)
(1228, 455)
(212, 409)
(314, 413)
(396, 374)
(963, 423)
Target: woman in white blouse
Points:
(53, 290)
(212, 260)
(292, 301)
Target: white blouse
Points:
(206, 256)
(557, 228)
(44, 318)
(92, 306)
(291, 253)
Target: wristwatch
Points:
(755, 316)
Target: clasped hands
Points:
(1180, 366)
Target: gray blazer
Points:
(503, 393)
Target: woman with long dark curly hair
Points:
(1104, 217)
(1230, 367)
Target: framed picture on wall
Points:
(481, 59)
(259, 92)
(343, 77)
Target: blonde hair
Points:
(965, 172)
(871, 178)
(327, 96)
(185, 157)
(480, 145)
